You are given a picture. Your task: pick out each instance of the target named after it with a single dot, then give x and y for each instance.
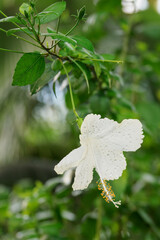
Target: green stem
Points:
(25, 32)
(3, 13)
(57, 29)
(18, 26)
(100, 60)
(70, 91)
(39, 41)
(85, 75)
(39, 22)
(33, 30)
(23, 39)
(13, 51)
(77, 22)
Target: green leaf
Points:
(15, 30)
(46, 77)
(29, 68)
(54, 89)
(73, 51)
(84, 42)
(56, 65)
(59, 36)
(63, 53)
(51, 13)
(12, 19)
(69, 48)
(97, 68)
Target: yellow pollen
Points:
(107, 193)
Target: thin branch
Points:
(99, 60)
(43, 40)
(77, 22)
(23, 39)
(13, 51)
(57, 29)
(18, 26)
(85, 75)
(70, 91)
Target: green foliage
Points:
(31, 214)
(11, 19)
(52, 12)
(56, 65)
(47, 76)
(53, 211)
(84, 42)
(29, 68)
(59, 36)
(15, 30)
(76, 52)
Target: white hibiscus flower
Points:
(102, 144)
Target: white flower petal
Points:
(103, 142)
(70, 161)
(112, 166)
(109, 164)
(94, 127)
(83, 174)
(127, 136)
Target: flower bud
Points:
(32, 4)
(79, 122)
(25, 9)
(26, 14)
(81, 13)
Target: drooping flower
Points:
(102, 144)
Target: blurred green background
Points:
(36, 132)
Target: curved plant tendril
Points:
(70, 91)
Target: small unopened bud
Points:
(32, 4)
(25, 9)
(26, 14)
(79, 122)
(81, 13)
